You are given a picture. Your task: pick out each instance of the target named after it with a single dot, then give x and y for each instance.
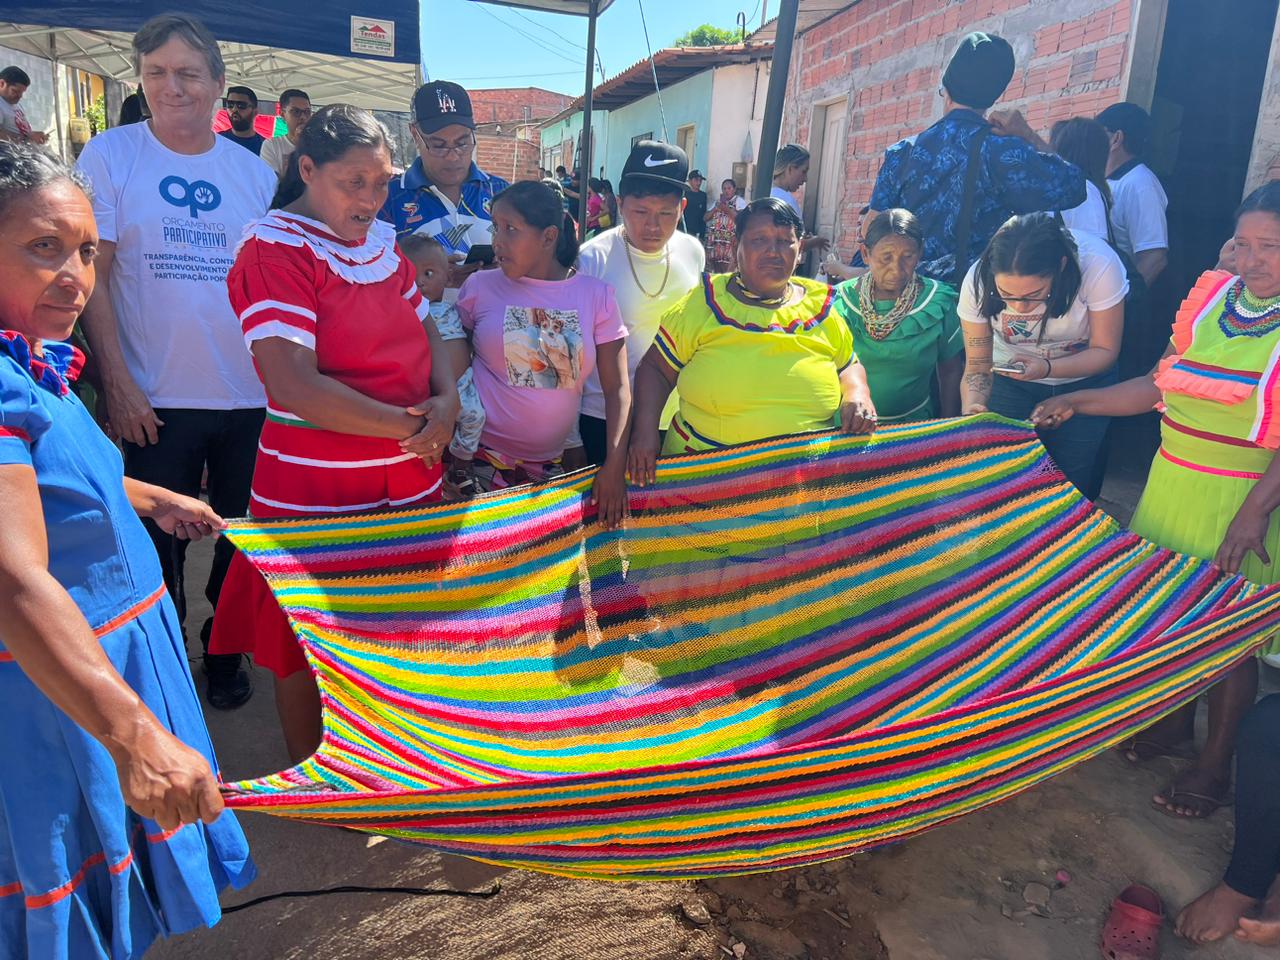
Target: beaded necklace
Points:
(1244, 315)
(754, 299)
(879, 327)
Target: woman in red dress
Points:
(358, 413)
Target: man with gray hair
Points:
(171, 201)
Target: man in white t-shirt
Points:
(171, 201)
(649, 262)
(13, 122)
(1138, 201)
(295, 107)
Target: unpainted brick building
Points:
(866, 74)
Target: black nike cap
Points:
(661, 163)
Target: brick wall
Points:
(887, 56)
(508, 104)
(499, 155)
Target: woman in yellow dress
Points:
(755, 354)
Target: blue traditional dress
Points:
(81, 875)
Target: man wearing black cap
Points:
(1138, 201)
(695, 206)
(647, 261)
(964, 176)
(444, 194)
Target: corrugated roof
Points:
(811, 13)
(673, 65)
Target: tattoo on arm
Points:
(977, 388)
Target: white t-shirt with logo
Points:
(1103, 285)
(1138, 204)
(176, 220)
(605, 257)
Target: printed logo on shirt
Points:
(453, 237)
(543, 348)
(198, 196)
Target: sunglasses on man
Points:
(237, 104)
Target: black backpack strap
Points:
(964, 223)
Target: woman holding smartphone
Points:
(1043, 313)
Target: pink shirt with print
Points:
(534, 343)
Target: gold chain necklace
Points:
(666, 275)
(879, 327)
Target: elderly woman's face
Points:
(893, 261)
(48, 241)
(1257, 253)
(767, 254)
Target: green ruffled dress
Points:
(900, 367)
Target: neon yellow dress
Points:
(748, 373)
(1221, 424)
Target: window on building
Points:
(643, 136)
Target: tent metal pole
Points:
(584, 169)
(58, 132)
(773, 102)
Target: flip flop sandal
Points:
(1147, 750)
(1132, 930)
(1201, 801)
(463, 482)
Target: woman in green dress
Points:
(1214, 485)
(904, 325)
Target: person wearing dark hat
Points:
(650, 264)
(1138, 201)
(444, 194)
(1013, 171)
(695, 206)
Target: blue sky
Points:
(485, 45)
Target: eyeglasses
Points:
(439, 148)
(238, 104)
(1011, 299)
(299, 113)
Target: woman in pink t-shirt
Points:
(538, 329)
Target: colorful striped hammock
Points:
(797, 649)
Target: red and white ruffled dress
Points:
(358, 307)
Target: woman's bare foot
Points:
(1263, 928)
(1193, 794)
(1213, 915)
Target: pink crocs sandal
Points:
(1132, 931)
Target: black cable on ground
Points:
(409, 891)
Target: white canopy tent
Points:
(375, 84)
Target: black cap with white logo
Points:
(661, 162)
(441, 104)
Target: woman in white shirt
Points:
(1084, 142)
(1043, 313)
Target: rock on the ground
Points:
(1036, 894)
(696, 913)
(769, 941)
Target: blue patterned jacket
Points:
(925, 174)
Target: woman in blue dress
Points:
(112, 831)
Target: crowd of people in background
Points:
(350, 337)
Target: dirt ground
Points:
(958, 892)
